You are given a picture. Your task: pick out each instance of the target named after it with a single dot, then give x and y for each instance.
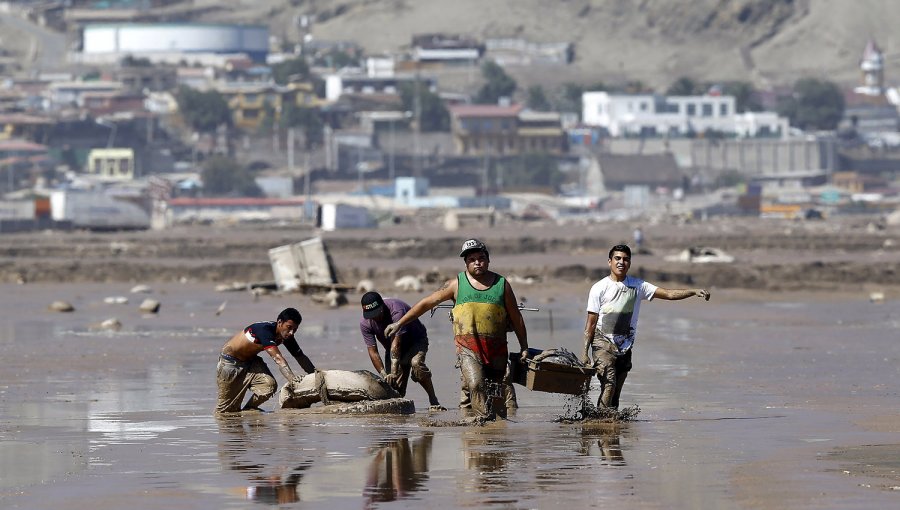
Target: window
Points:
(723, 110)
(691, 109)
(643, 106)
(707, 109)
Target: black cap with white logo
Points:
(372, 305)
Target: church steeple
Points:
(872, 67)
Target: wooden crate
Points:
(549, 377)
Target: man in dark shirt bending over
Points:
(240, 368)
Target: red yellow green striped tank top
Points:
(479, 318)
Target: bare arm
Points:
(678, 294)
(445, 293)
(305, 363)
(590, 325)
(395, 355)
(515, 318)
(376, 360)
(282, 363)
(293, 347)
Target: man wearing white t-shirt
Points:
(612, 315)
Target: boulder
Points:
(140, 289)
(149, 306)
(112, 324)
(328, 386)
(409, 283)
(61, 306)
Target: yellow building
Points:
(115, 164)
(248, 101)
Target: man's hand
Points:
(702, 293)
(523, 356)
(393, 380)
(391, 329)
(292, 384)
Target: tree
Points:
(499, 84)
(814, 104)
(337, 59)
(307, 119)
(433, 115)
(572, 92)
(203, 111)
(537, 100)
(685, 86)
(290, 70)
(745, 99)
(223, 176)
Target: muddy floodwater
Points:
(752, 400)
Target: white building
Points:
(355, 82)
(653, 115)
(172, 42)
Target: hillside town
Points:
(127, 115)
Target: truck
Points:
(94, 210)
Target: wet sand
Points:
(753, 400)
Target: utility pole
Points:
(391, 156)
(417, 114)
(307, 203)
(290, 148)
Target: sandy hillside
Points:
(767, 41)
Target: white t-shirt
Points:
(618, 305)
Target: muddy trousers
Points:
(509, 392)
(412, 363)
(612, 369)
(235, 378)
(484, 382)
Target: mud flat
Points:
(778, 393)
(756, 399)
(860, 253)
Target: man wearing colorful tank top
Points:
(485, 306)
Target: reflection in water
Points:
(273, 485)
(399, 468)
(488, 456)
(606, 438)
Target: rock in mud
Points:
(149, 306)
(61, 306)
(140, 289)
(335, 386)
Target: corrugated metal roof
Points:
(233, 202)
(485, 110)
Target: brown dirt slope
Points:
(766, 41)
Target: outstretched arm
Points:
(515, 318)
(282, 363)
(293, 347)
(677, 294)
(590, 325)
(446, 292)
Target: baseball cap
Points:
(371, 304)
(472, 245)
